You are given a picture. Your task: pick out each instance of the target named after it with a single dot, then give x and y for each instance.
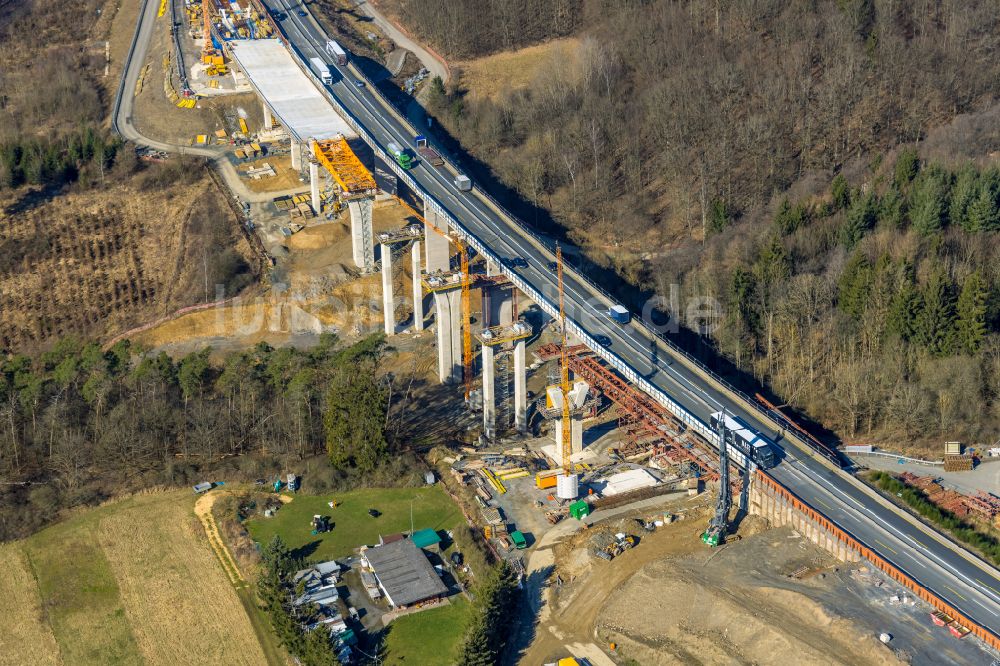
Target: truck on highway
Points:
(402, 157)
(463, 182)
(426, 152)
(334, 50)
(746, 440)
(620, 314)
(322, 71)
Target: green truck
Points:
(402, 157)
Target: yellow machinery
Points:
(567, 444)
(345, 167)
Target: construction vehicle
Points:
(625, 541)
(425, 151)
(716, 532)
(402, 157)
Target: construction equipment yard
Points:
(770, 597)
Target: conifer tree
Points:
(971, 323)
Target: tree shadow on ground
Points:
(526, 625)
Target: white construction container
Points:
(567, 486)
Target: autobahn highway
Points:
(961, 580)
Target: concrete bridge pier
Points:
(418, 289)
(438, 250)
(314, 185)
(296, 150)
(388, 298)
(489, 393)
(498, 306)
(268, 118)
(362, 241)
(448, 315)
(577, 398)
(520, 389)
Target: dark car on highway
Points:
(603, 340)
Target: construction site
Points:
(588, 485)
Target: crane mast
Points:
(716, 532)
(567, 444)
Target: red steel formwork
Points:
(646, 422)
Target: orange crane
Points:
(567, 433)
(466, 282)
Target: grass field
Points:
(352, 526)
(509, 70)
(131, 582)
(428, 637)
(24, 631)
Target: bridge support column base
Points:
(388, 298)
(520, 389)
(489, 393)
(418, 289)
(362, 240)
(448, 319)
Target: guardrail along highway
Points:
(967, 583)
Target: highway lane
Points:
(970, 586)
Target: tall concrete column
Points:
(296, 150)
(438, 250)
(498, 306)
(388, 298)
(520, 389)
(489, 393)
(448, 315)
(418, 289)
(268, 118)
(577, 396)
(362, 241)
(314, 185)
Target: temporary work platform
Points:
(345, 167)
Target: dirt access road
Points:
(123, 122)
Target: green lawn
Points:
(428, 637)
(352, 526)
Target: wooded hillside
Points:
(667, 148)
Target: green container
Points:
(579, 509)
(519, 541)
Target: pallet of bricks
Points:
(958, 463)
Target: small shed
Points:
(429, 478)
(579, 509)
(427, 539)
(203, 487)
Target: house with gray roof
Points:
(403, 573)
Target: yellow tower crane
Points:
(567, 444)
(465, 283)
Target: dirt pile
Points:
(666, 614)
